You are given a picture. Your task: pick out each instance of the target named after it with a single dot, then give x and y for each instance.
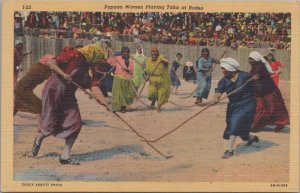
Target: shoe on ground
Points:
(227, 154)
(252, 140)
(69, 161)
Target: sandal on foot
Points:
(252, 140)
(227, 154)
(69, 161)
(35, 147)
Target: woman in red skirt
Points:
(270, 107)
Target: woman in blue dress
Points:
(205, 67)
(241, 107)
(174, 78)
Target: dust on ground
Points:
(109, 151)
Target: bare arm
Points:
(54, 67)
(99, 96)
(217, 96)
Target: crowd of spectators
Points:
(235, 30)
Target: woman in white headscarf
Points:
(270, 108)
(241, 106)
(139, 67)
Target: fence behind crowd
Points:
(41, 46)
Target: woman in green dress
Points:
(160, 81)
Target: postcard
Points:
(150, 96)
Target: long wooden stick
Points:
(130, 81)
(148, 78)
(117, 115)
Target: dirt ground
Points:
(109, 151)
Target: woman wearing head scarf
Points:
(241, 106)
(60, 112)
(204, 65)
(139, 67)
(160, 81)
(123, 88)
(25, 99)
(270, 107)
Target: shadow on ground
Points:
(103, 154)
(255, 147)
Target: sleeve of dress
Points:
(221, 87)
(111, 61)
(131, 66)
(200, 65)
(256, 69)
(65, 57)
(95, 79)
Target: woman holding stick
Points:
(241, 107)
(270, 107)
(204, 69)
(160, 81)
(60, 112)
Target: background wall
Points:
(41, 46)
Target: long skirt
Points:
(270, 110)
(204, 85)
(174, 79)
(60, 113)
(122, 93)
(239, 118)
(159, 91)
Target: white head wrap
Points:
(17, 42)
(258, 57)
(137, 53)
(229, 64)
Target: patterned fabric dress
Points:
(160, 81)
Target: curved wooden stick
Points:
(117, 115)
